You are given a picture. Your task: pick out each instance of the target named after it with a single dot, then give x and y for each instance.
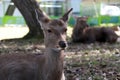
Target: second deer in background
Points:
(83, 33)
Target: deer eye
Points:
(49, 31)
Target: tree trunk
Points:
(27, 9)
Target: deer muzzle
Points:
(63, 44)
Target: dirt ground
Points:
(82, 62)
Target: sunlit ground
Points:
(9, 32)
(18, 32)
(13, 32)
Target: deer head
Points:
(81, 22)
(54, 30)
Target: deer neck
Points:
(54, 54)
(54, 63)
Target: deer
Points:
(83, 33)
(46, 66)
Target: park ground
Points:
(82, 62)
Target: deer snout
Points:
(63, 44)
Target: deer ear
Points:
(41, 17)
(65, 17)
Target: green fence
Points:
(12, 20)
(92, 20)
(115, 20)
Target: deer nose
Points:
(63, 44)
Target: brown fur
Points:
(47, 66)
(18, 66)
(57, 22)
(86, 34)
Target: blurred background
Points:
(100, 12)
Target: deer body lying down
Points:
(86, 34)
(47, 66)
